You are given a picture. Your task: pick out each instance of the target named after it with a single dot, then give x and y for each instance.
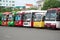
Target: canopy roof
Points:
(6, 13)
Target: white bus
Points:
(52, 18)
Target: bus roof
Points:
(35, 11)
(58, 9)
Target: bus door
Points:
(58, 20)
(18, 20)
(4, 20)
(11, 19)
(37, 20)
(27, 20)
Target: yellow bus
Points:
(38, 18)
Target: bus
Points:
(33, 18)
(27, 19)
(0, 18)
(52, 18)
(38, 18)
(18, 19)
(11, 19)
(5, 18)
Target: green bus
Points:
(0, 18)
(11, 19)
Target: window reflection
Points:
(4, 17)
(50, 15)
(18, 17)
(27, 17)
(10, 17)
(37, 17)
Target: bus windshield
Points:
(10, 17)
(50, 15)
(18, 17)
(4, 17)
(37, 17)
(27, 17)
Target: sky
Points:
(23, 2)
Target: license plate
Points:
(25, 23)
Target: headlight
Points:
(28, 19)
(19, 22)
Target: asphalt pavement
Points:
(19, 33)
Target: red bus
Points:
(5, 18)
(18, 19)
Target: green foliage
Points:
(5, 9)
(51, 4)
(8, 9)
(17, 9)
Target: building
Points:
(7, 3)
(40, 4)
(29, 5)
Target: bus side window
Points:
(58, 17)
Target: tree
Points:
(1, 8)
(17, 9)
(50, 4)
(5, 9)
